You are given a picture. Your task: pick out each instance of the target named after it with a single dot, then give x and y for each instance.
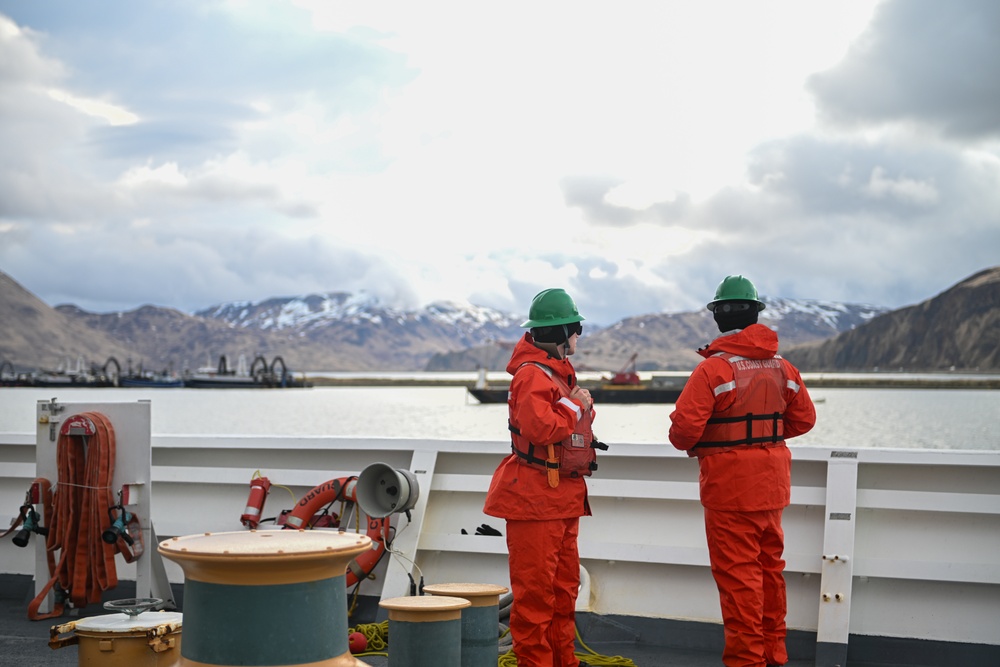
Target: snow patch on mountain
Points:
(837, 316)
(472, 323)
(305, 312)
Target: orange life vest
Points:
(577, 454)
(756, 416)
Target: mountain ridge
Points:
(340, 331)
(959, 329)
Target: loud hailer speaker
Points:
(383, 490)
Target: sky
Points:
(190, 153)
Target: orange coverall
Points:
(542, 522)
(745, 487)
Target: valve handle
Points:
(132, 606)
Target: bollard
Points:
(425, 631)
(272, 598)
(480, 622)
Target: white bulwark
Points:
(880, 543)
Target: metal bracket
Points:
(51, 419)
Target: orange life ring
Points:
(342, 488)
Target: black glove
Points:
(487, 530)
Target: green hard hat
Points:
(735, 288)
(551, 307)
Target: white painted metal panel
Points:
(924, 555)
(131, 485)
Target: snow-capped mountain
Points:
(446, 331)
(670, 341)
(355, 332)
(464, 325)
(297, 312)
(317, 310)
(830, 316)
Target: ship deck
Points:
(24, 642)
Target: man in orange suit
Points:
(736, 411)
(540, 487)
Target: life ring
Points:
(342, 488)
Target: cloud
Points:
(834, 176)
(191, 154)
(610, 201)
(920, 62)
(857, 217)
(126, 266)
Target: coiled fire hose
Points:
(78, 517)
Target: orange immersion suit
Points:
(734, 414)
(542, 521)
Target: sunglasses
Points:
(732, 307)
(575, 328)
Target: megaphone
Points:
(383, 490)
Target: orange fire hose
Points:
(78, 517)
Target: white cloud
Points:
(111, 113)
(906, 190)
(167, 174)
(633, 153)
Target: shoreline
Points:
(500, 379)
(817, 381)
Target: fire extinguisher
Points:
(259, 488)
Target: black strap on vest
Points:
(749, 418)
(529, 456)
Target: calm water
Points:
(904, 418)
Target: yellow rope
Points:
(377, 635)
(595, 659)
(257, 474)
(591, 657)
(290, 492)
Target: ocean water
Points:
(899, 418)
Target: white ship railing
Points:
(879, 542)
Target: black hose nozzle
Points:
(119, 527)
(22, 537)
(31, 525)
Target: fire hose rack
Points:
(89, 504)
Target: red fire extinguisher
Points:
(259, 488)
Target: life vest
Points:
(576, 455)
(756, 417)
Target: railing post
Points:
(834, 624)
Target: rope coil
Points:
(377, 636)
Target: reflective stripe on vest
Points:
(756, 417)
(577, 455)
